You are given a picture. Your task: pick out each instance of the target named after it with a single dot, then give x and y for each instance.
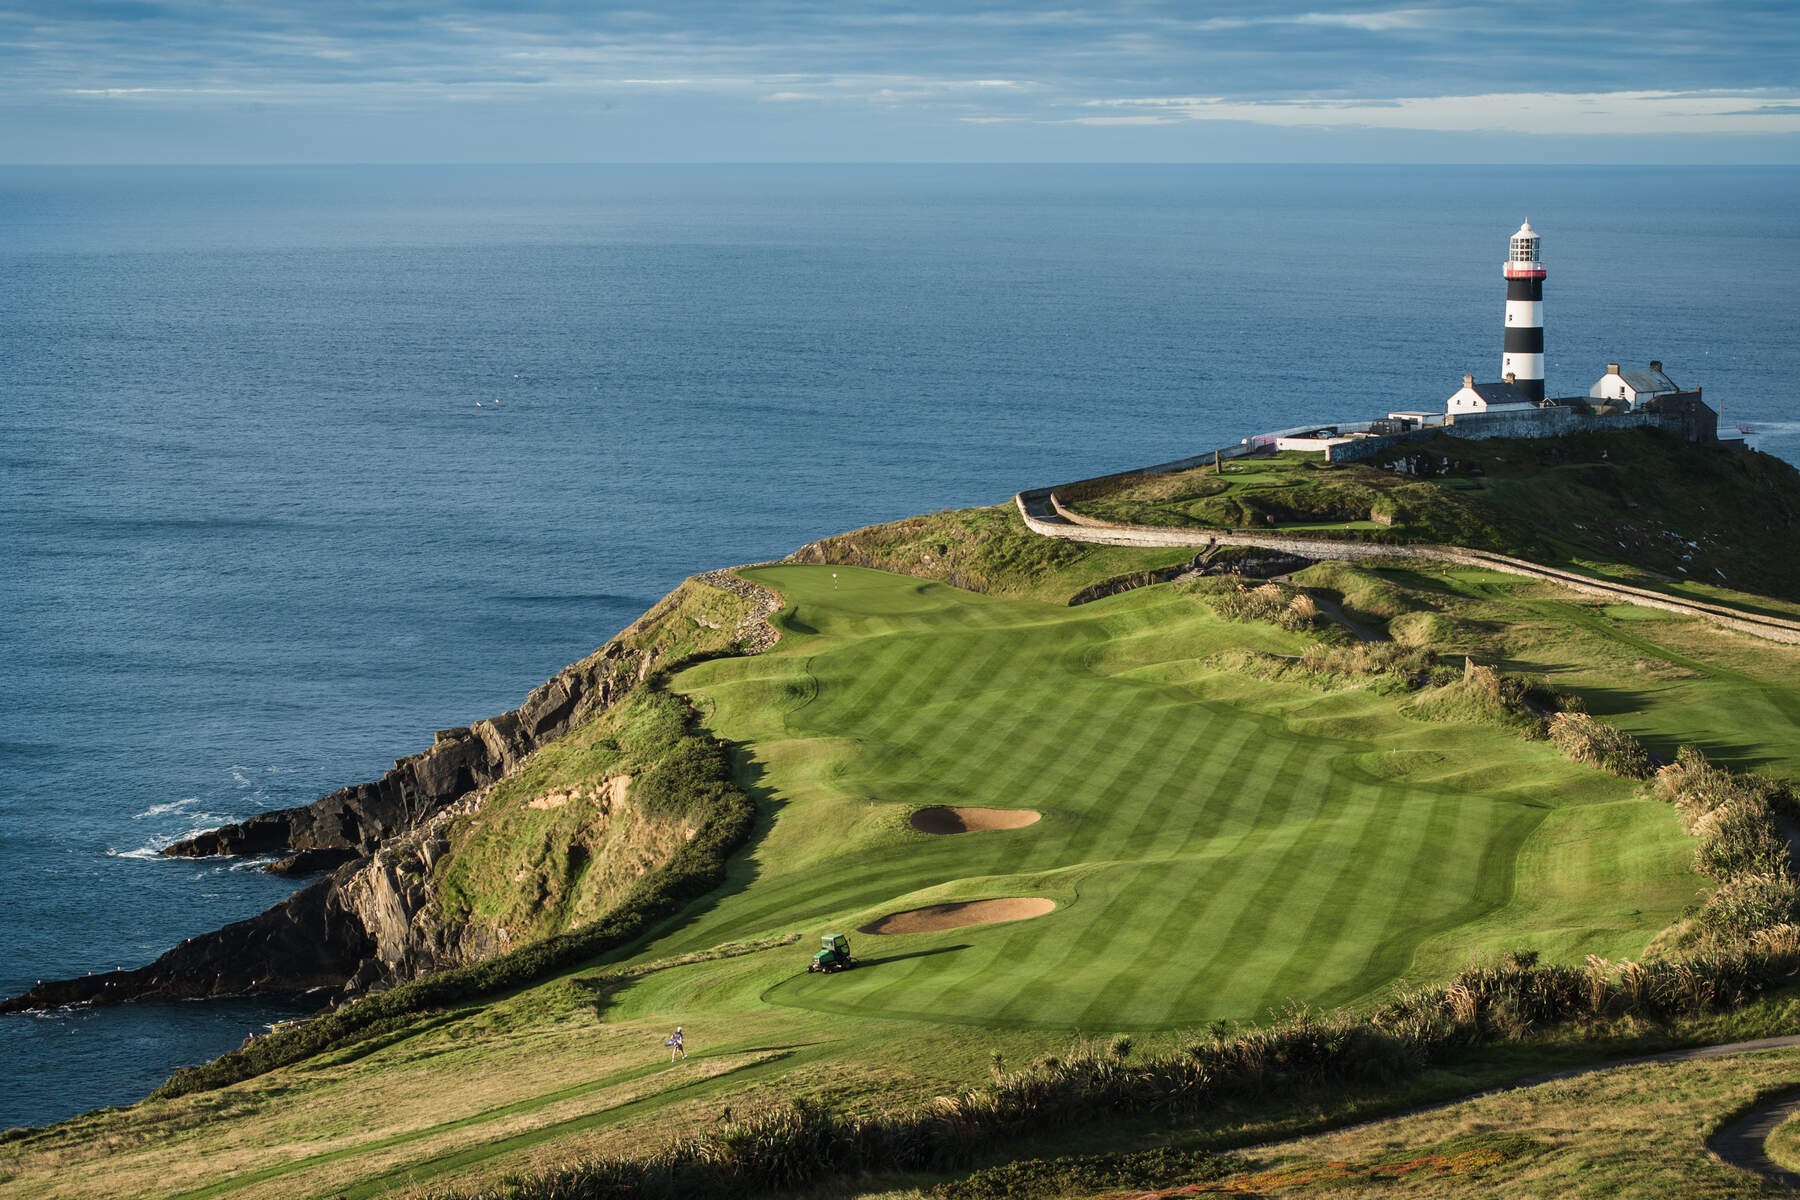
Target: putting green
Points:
(1216, 845)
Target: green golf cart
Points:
(833, 955)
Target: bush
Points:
(1586, 740)
(1741, 844)
(1484, 694)
(1285, 607)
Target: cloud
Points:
(1577, 113)
(1371, 22)
(1414, 65)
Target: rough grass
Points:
(554, 846)
(1296, 491)
(1784, 1144)
(985, 550)
(1636, 1131)
(1636, 505)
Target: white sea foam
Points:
(255, 863)
(173, 806)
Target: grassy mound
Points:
(986, 550)
(556, 845)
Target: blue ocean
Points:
(299, 465)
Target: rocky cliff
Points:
(310, 943)
(353, 821)
(374, 920)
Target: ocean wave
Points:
(142, 852)
(152, 849)
(255, 862)
(173, 806)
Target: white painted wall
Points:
(1525, 314)
(1522, 366)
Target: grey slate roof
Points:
(1647, 382)
(1501, 393)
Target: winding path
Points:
(1744, 1142)
(1046, 515)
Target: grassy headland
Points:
(1235, 816)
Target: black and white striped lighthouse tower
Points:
(1523, 359)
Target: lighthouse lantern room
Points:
(1522, 358)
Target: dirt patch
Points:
(955, 916)
(610, 793)
(942, 818)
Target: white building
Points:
(1632, 387)
(1489, 397)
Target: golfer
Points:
(675, 1045)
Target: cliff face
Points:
(360, 818)
(310, 943)
(377, 919)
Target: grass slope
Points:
(1638, 505)
(1214, 853)
(1635, 1131)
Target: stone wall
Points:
(1687, 423)
(1044, 515)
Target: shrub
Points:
(1746, 904)
(1586, 740)
(1734, 818)
(1285, 607)
(1484, 694)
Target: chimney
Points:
(1655, 366)
(1612, 368)
(1468, 381)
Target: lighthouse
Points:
(1522, 360)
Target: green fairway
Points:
(1217, 846)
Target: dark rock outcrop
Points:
(310, 942)
(312, 862)
(364, 816)
(374, 922)
(364, 926)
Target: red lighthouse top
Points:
(1522, 260)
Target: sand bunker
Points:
(955, 916)
(941, 818)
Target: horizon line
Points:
(919, 162)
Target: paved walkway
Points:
(1744, 1142)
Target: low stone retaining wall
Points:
(1045, 515)
(1538, 423)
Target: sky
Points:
(409, 81)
